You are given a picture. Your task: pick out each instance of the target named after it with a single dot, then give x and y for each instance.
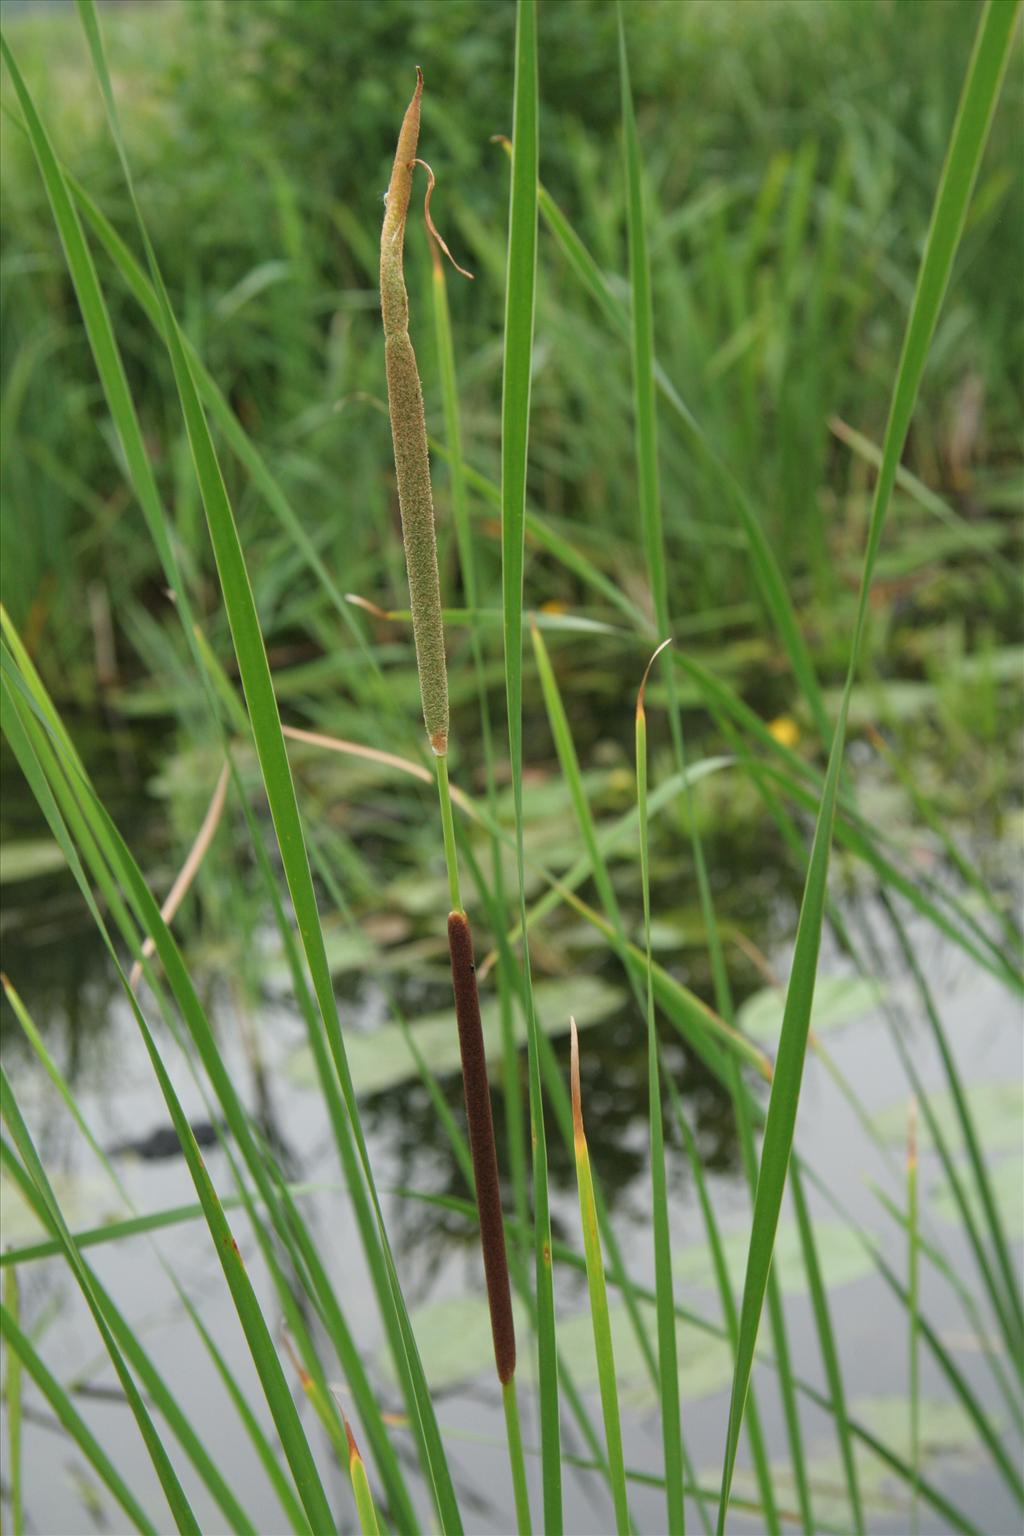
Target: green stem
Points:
(515, 1456)
(13, 1397)
(448, 828)
(912, 1286)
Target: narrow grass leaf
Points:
(152, 1381)
(765, 565)
(598, 1299)
(723, 1280)
(266, 725)
(368, 1523)
(137, 1357)
(72, 1421)
(671, 1423)
(31, 747)
(181, 1509)
(913, 1259)
(970, 132)
(520, 297)
(826, 1337)
(12, 1397)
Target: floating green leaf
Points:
(381, 1058)
(945, 1427)
(27, 858)
(841, 1252)
(83, 1198)
(997, 1109)
(1007, 1181)
(454, 1336)
(837, 1000)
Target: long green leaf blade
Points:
(520, 298)
(262, 704)
(668, 1366)
(601, 1322)
(181, 1509)
(12, 1395)
(73, 1422)
(970, 131)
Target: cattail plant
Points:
(412, 466)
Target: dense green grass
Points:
(705, 347)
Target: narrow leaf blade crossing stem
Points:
(520, 298)
(970, 131)
(598, 1298)
(668, 1366)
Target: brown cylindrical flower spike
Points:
(481, 1142)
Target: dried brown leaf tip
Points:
(409, 438)
(481, 1143)
(647, 673)
(437, 244)
(353, 1449)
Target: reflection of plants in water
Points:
(614, 1080)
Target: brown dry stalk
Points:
(409, 436)
(481, 1143)
(437, 243)
(178, 891)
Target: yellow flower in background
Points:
(785, 730)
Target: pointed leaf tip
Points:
(353, 1449)
(647, 673)
(912, 1133)
(574, 1071)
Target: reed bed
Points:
(294, 1315)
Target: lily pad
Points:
(841, 1255)
(380, 1058)
(997, 1109)
(945, 1425)
(827, 1482)
(945, 1428)
(454, 1338)
(29, 857)
(347, 950)
(705, 1361)
(1006, 1178)
(837, 1000)
(85, 1201)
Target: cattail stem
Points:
(481, 1143)
(12, 1393)
(448, 828)
(912, 1288)
(515, 1448)
(412, 466)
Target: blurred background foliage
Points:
(792, 152)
